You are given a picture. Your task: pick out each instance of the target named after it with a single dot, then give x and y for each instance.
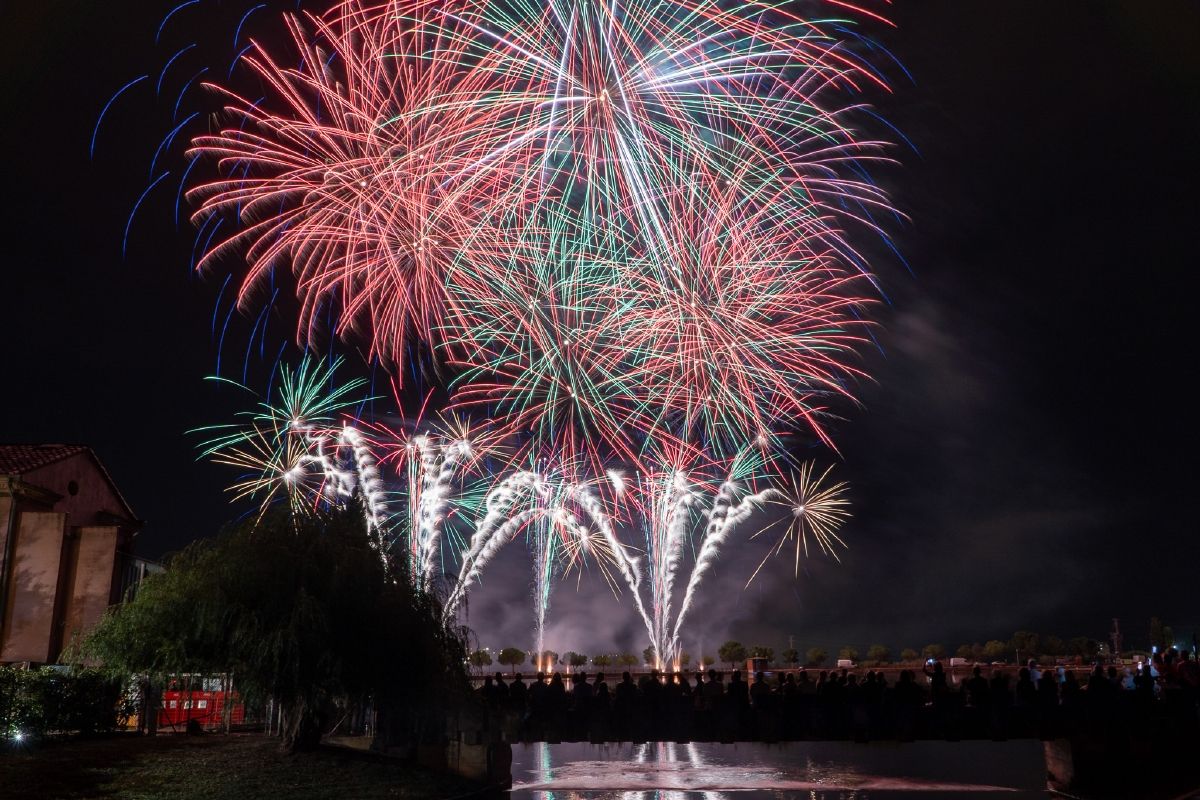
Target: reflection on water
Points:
(751, 771)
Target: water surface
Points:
(753, 771)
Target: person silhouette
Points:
(518, 693)
(600, 696)
(581, 690)
(760, 692)
(976, 688)
(737, 692)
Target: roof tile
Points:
(17, 459)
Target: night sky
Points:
(1023, 459)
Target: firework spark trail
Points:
(815, 509)
(679, 524)
(275, 443)
(558, 535)
(498, 505)
(354, 180)
(543, 546)
(371, 488)
(742, 325)
(551, 511)
(667, 523)
(626, 564)
(735, 512)
(623, 100)
(437, 465)
(451, 455)
(499, 536)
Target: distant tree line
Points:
(1021, 646)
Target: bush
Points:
(50, 701)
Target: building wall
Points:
(6, 507)
(93, 568)
(93, 492)
(29, 624)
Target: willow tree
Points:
(304, 612)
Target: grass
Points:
(211, 767)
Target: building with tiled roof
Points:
(66, 545)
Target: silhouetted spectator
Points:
(937, 682)
(760, 692)
(626, 693)
(581, 691)
(1070, 693)
(652, 692)
(600, 696)
(738, 693)
(537, 697)
(976, 688)
(1047, 690)
(906, 698)
(518, 694)
(1026, 689)
(1143, 683)
(714, 691)
(557, 694)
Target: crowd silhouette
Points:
(846, 704)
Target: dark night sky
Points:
(1024, 458)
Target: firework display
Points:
(621, 223)
(621, 234)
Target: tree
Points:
(878, 653)
(964, 651)
(602, 660)
(760, 651)
(848, 652)
(511, 657)
(302, 611)
(627, 660)
(480, 659)
(1161, 635)
(548, 659)
(1025, 645)
(648, 656)
(933, 651)
(685, 658)
(908, 655)
(732, 653)
(1052, 645)
(995, 650)
(816, 656)
(1083, 647)
(791, 656)
(576, 660)
(707, 661)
